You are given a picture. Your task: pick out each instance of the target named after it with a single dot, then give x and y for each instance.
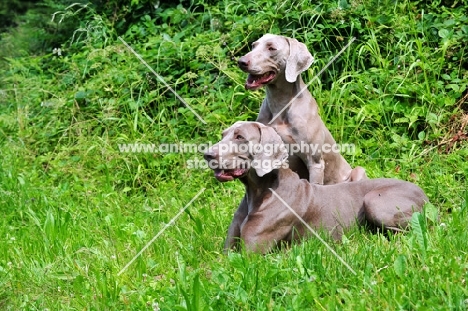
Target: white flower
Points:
(57, 51)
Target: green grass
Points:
(75, 210)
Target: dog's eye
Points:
(271, 48)
(239, 137)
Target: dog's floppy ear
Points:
(298, 61)
(273, 151)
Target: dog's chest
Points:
(285, 131)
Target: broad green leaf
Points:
(400, 265)
(419, 230)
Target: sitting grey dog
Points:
(255, 154)
(276, 63)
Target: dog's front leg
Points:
(261, 232)
(255, 240)
(234, 233)
(316, 167)
(311, 144)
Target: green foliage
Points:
(10, 9)
(76, 209)
(419, 230)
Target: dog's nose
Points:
(210, 155)
(243, 62)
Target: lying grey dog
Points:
(262, 220)
(277, 62)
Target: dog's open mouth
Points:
(228, 175)
(257, 81)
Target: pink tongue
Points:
(256, 81)
(219, 173)
(228, 174)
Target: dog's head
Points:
(246, 146)
(272, 56)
